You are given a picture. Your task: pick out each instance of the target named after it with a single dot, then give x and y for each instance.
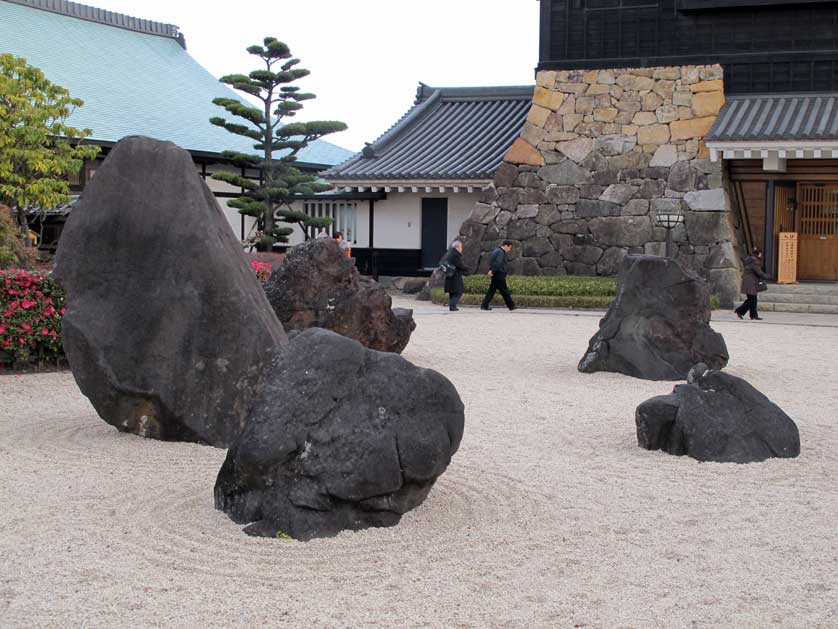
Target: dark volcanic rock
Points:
(354, 439)
(318, 286)
(658, 326)
(716, 417)
(167, 329)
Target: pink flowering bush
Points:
(31, 307)
(262, 270)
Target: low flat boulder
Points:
(167, 329)
(716, 417)
(413, 285)
(341, 438)
(436, 280)
(659, 324)
(318, 286)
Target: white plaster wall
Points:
(231, 214)
(459, 207)
(398, 218)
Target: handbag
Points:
(762, 285)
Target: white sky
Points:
(366, 56)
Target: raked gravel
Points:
(549, 515)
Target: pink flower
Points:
(45, 332)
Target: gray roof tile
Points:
(449, 133)
(133, 82)
(793, 117)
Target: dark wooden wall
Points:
(764, 45)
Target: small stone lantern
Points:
(670, 219)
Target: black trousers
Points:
(749, 305)
(454, 299)
(498, 284)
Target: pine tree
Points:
(38, 150)
(269, 201)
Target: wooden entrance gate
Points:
(817, 226)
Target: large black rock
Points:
(716, 417)
(167, 329)
(342, 437)
(318, 286)
(658, 325)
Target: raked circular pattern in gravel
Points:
(549, 516)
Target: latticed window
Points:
(344, 215)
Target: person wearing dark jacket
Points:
(454, 284)
(498, 270)
(750, 280)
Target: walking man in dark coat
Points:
(498, 270)
(454, 284)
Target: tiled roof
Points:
(791, 117)
(450, 133)
(133, 82)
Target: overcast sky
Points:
(366, 57)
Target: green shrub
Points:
(547, 285)
(546, 291)
(596, 302)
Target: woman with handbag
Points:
(753, 282)
(454, 269)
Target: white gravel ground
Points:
(549, 516)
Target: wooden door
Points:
(784, 217)
(817, 228)
(434, 231)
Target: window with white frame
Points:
(343, 213)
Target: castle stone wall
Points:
(601, 152)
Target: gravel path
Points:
(549, 516)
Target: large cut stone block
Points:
(548, 98)
(577, 149)
(715, 200)
(707, 103)
(707, 228)
(658, 325)
(688, 129)
(621, 231)
(522, 152)
(167, 329)
(568, 173)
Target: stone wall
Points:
(600, 153)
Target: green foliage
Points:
(576, 302)
(548, 285)
(13, 254)
(546, 291)
(38, 150)
(282, 181)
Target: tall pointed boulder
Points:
(167, 329)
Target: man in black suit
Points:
(498, 270)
